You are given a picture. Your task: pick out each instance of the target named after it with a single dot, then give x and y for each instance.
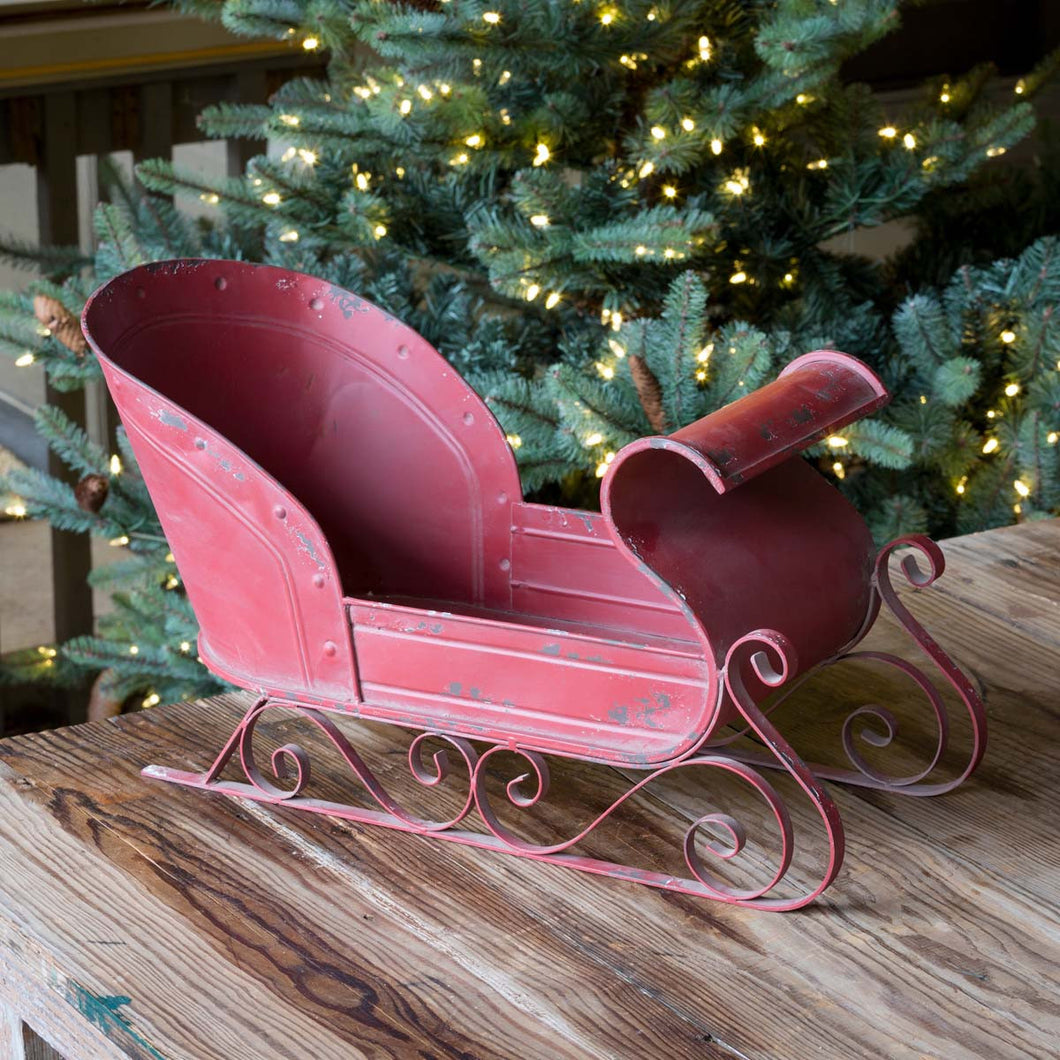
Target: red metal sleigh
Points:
(348, 521)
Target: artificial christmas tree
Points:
(614, 218)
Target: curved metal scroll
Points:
(290, 767)
(864, 774)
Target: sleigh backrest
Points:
(251, 389)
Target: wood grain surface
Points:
(144, 920)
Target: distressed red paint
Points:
(347, 518)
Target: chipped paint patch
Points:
(172, 419)
(309, 548)
(619, 714)
(659, 702)
(551, 649)
(347, 303)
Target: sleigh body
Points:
(347, 518)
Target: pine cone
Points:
(91, 492)
(649, 391)
(61, 323)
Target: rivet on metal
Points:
(280, 511)
(200, 443)
(220, 283)
(316, 304)
(403, 352)
(330, 648)
(318, 580)
(469, 418)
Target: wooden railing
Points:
(141, 91)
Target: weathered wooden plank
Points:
(940, 938)
(248, 86)
(707, 975)
(460, 958)
(155, 125)
(57, 214)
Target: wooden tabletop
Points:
(140, 919)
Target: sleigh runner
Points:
(348, 521)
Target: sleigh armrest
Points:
(814, 396)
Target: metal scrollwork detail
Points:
(714, 835)
(873, 725)
(919, 548)
(530, 786)
(292, 761)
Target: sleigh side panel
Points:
(258, 571)
(570, 689)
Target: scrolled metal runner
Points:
(528, 788)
